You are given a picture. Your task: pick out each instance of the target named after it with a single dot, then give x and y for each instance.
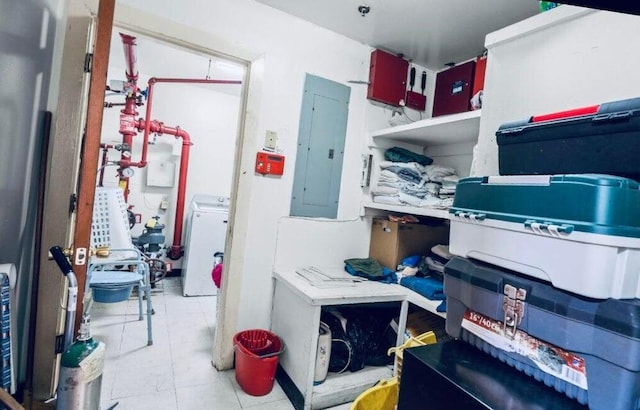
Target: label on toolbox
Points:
(549, 358)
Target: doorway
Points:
(210, 113)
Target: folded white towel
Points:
(410, 165)
(442, 251)
(437, 172)
(385, 190)
(409, 199)
(388, 176)
(389, 200)
(450, 179)
(391, 184)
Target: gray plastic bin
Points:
(573, 333)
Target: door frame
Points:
(137, 21)
(51, 284)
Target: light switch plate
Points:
(271, 139)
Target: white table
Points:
(296, 319)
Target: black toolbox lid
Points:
(611, 117)
(616, 315)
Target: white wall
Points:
(319, 242)
(283, 49)
(586, 61)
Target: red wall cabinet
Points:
(387, 78)
(453, 89)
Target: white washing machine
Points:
(206, 232)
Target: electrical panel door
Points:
(323, 128)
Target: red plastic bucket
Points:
(255, 372)
(256, 341)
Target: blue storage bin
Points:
(113, 286)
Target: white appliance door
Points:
(207, 234)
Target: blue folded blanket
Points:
(430, 288)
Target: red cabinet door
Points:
(453, 89)
(387, 78)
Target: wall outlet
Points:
(271, 139)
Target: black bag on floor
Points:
(364, 341)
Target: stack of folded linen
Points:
(412, 183)
(436, 173)
(449, 185)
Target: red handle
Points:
(576, 112)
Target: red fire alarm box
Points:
(453, 89)
(268, 163)
(387, 78)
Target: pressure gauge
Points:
(127, 172)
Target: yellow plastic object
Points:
(423, 339)
(382, 396)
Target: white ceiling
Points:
(430, 33)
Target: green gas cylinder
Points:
(81, 369)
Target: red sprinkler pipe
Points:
(129, 125)
(152, 81)
(128, 113)
(157, 127)
(129, 44)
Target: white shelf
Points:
(424, 303)
(345, 387)
(446, 129)
(341, 293)
(434, 213)
(539, 22)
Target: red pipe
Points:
(129, 127)
(152, 81)
(128, 114)
(157, 127)
(129, 44)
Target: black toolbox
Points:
(602, 139)
(455, 376)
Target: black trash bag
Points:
(366, 332)
(341, 350)
(364, 343)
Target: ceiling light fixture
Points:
(364, 9)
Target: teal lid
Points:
(593, 203)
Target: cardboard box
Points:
(392, 241)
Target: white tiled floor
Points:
(176, 372)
